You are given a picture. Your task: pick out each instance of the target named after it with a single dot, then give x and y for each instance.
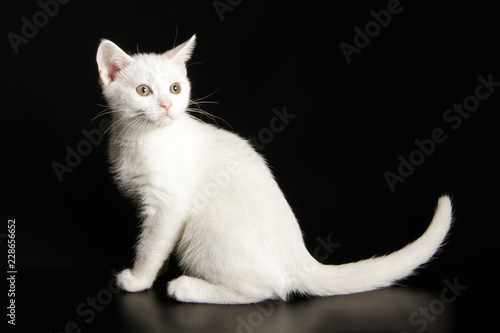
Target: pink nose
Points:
(166, 106)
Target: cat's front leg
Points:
(131, 282)
(158, 237)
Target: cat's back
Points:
(222, 148)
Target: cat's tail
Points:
(378, 272)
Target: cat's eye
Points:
(175, 88)
(143, 90)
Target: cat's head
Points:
(152, 87)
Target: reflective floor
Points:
(89, 302)
(389, 310)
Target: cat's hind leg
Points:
(194, 290)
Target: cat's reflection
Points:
(388, 310)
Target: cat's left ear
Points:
(182, 53)
(110, 60)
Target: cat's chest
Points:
(153, 160)
(144, 156)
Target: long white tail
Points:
(379, 272)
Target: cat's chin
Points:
(163, 121)
(160, 121)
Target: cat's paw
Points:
(128, 281)
(182, 289)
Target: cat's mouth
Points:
(160, 118)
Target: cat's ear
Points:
(110, 60)
(182, 53)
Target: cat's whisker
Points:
(117, 123)
(204, 113)
(208, 114)
(129, 126)
(102, 113)
(136, 126)
(176, 31)
(194, 63)
(202, 98)
(107, 110)
(203, 102)
(199, 110)
(123, 130)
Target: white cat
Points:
(207, 194)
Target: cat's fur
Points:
(205, 193)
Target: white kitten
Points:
(206, 193)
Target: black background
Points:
(352, 122)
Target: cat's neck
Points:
(131, 132)
(137, 134)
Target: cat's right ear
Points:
(110, 60)
(182, 53)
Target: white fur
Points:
(206, 193)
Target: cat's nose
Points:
(166, 106)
